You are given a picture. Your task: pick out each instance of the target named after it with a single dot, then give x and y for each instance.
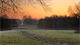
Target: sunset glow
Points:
(59, 7)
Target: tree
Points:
(24, 17)
(14, 23)
(19, 21)
(6, 24)
(75, 12)
(5, 16)
(13, 6)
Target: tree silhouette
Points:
(24, 17)
(74, 10)
(13, 6)
(5, 16)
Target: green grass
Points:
(17, 38)
(14, 37)
(28, 26)
(64, 36)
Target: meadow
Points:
(57, 36)
(16, 38)
(39, 37)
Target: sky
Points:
(59, 7)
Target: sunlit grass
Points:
(64, 36)
(17, 38)
(14, 37)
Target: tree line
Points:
(8, 24)
(29, 21)
(55, 22)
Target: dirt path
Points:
(37, 37)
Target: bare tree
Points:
(24, 17)
(5, 16)
(74, 10)
(13, 6)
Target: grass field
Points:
(62, 36)
(39, 37)
(16, 38)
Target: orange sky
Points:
(59, 7)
